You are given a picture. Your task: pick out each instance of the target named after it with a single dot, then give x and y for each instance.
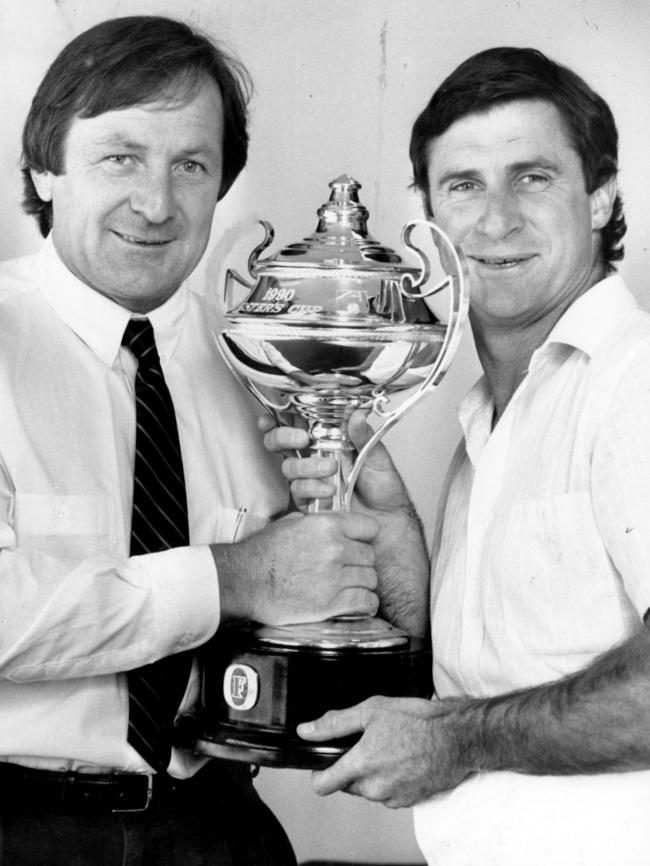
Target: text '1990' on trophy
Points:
(331, 324)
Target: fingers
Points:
(327, 568)
(360, 433)
(340, 527)
(342, 775)
(334, 724)
(358, 553)
(354, 601)
(359, 579)
(297, 468)
(357, 526)
(265, 423)
(306, 491)
(359, 429)
(279, 439)
(311, 479)
(385, 765)
(336, 778)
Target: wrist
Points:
(471, 736)
(234, 583)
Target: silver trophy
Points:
(331, 324)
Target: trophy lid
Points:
(341, 240)
(337, 276)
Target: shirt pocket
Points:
(72, 525)
(234, 524)
(556, 587)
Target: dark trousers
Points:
(216, 819)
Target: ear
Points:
(602, 203)
(42, 180)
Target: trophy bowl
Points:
(331, 324)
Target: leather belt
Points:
(23, 789)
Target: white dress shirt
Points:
(542, 562)
(75, 610)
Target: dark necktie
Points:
(159, 522)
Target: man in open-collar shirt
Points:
(536, 747)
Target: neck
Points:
(505, 349)
(505, 363)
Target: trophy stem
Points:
(327, 414)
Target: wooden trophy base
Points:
(260, 682)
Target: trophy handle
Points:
(269, 234)
(234, 277)
(457, 313)
(276, 410)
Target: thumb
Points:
(359, 429)
(360, 434)
(334, 724)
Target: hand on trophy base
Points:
(260, 682)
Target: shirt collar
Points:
(593, 316)
(585, 326)
(96, 319)
(475, 415)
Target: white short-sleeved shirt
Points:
(542, 562)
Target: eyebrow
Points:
(116, 140)
(456, 174)
(512, 168)
(531, 164)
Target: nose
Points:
(153, 197)
(501, 215)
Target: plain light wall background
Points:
(338, 85)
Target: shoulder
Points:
(618, 374)
(205, 312)
(625, 345)
(16, 277)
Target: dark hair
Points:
(124, 62)
(499, 75)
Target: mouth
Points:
(502, 262)
(134, 240)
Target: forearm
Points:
(103, 614)
(595, 721)
(402, 566)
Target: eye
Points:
(119, 158)
(533, 180)
(464, 186)
(192, 168)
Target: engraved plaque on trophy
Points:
(331, 324)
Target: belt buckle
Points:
(149, 778)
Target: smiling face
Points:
(508, 187)
(133, 208)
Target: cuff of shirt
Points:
(187, 596)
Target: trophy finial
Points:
(344, 188)
(343, 208)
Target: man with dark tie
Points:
(139, 509)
